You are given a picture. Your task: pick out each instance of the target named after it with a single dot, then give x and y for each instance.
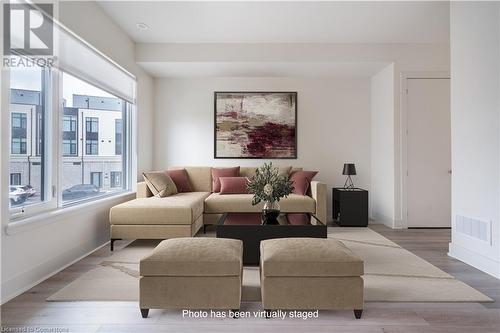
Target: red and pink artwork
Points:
(255, 125)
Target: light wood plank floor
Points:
(31, 310)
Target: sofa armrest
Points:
(318, 193)
(143, 190)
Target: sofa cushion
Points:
(283, 170)
(181, 180)
(159, 183)
(308, 257)
(201, 256)
(222, 172)
(301, 181)
(181, 208)
(217, 203)
(233, 185)
(200, 177)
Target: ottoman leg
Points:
(358, 313)
(144, 313)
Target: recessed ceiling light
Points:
(142, 26)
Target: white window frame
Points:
(53, 152)
(50, 150)
(22, 219)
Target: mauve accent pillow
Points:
(301, 181)
(181, 180)
(223, 172)
(233, 185)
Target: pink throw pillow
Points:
(222, 172)
(301, 181)
(233, 185)
(181, 180)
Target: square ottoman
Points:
(192, 273)
(310, 274)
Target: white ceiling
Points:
(307, 21)
(261, 69)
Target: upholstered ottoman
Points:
(192, 273)
(310, 274)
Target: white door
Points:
(429, 153)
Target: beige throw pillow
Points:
(284, 171)
(160, 183)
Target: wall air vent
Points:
(474, 228)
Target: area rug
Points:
(392, 274)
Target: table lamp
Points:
(349, 170)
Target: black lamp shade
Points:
(349, 169)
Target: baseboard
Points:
(475, 259)
(22, 282)
(449, 228)
(388, 222)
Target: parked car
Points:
(28, 189)
(17, 195)
(80, 191)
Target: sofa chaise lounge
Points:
(184, 214)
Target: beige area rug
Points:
(392, 274)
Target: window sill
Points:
(25, 224)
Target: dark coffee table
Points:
(248, 228)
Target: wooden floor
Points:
(31, 310)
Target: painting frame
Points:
(295, 114)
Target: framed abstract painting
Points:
(255, 125)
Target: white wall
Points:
(475, 127)
(333, 123)
(403, 57)
(35, 252)
(382, 147)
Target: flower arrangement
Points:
(268, 185)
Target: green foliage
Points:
(269, 185)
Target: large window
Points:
(69, 128)
(94, 118)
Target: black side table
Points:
(350, 207)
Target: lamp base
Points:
(348, 185)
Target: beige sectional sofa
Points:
(183, 214)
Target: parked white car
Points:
(30, 191)
(17, 195)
